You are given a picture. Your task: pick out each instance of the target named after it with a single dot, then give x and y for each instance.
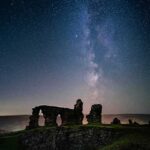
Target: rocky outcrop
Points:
(95, 114)
(68, 138)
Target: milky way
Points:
(91, 76)
(53, 52)
(112, 55)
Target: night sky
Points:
(53, 52)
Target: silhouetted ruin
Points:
(68, 116)
(130, 122)
(95, 114)
(50, 113)
(116, 121)
(136, 123)
(133, 123)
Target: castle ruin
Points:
(68, 116)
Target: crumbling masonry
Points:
(68, 116)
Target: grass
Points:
(9, 143)
(137, 138)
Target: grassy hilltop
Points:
(133, 137)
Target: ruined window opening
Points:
(59, 120)
(84, 121)
(41, 121)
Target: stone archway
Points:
(59, 120)
(51, 113)
(41, 121)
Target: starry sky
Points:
(53, 52)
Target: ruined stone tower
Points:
(95, 114)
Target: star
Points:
(76, 36)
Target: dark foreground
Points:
(86, 137)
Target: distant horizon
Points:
(83, 113)
(19, 122)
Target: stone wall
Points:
(68, 138)
(95, 114)
(50, 113)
